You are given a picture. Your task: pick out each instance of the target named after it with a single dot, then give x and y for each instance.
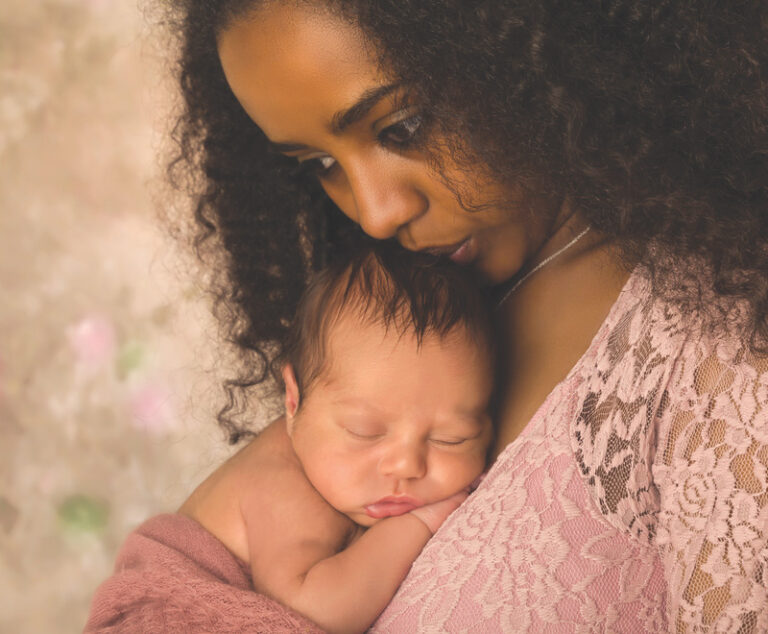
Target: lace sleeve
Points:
(711, 470)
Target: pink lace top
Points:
(636, 499)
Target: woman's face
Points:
(310, 82)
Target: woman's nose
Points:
(404, 462)
(383, 202)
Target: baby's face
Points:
(388, 427)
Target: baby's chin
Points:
(362, 519)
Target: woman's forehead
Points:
(287, 60)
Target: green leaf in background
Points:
(83, 514)
(129, 358)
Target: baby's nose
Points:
(404, 462)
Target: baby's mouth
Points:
(392, 506)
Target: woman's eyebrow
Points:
(345, 118)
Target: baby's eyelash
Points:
(449, 443)
(363, 436)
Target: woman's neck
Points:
(548, 322)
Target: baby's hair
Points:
(407, 292)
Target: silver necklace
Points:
(542, 264)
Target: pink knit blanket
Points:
(171, 575)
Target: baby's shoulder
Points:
(277, 498)
(269, 452)
(267, 471)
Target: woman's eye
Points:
(402, 133)
(317, 165)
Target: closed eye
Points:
(448, 442)
(363, 435)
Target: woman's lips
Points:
(391, 507)
(460, 252)
(463, 255)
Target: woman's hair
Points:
(651, 118)
(407, 293)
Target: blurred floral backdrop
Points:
(107, 347)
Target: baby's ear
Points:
(291, 396)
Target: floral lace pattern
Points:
(636, 499)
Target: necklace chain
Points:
(540, 265)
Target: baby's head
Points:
(388, 379)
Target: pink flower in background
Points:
(93, 341)
(151, 409)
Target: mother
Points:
(630, 488)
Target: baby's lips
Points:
(390, 508)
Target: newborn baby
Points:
(388, 377)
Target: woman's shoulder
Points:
(665, 388)
(714, 409)
(710, 472)
(679, 342)
(679, 361)
(714, 372)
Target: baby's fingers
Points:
(433, 515)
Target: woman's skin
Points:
(309, 81)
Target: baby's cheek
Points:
(459, 472)
(473, 460)
(476, 470)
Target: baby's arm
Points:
(345, 591)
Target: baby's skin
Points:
(332, 503)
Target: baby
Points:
(388, 377)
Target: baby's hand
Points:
(433, 515)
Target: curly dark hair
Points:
(652, 118)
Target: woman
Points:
(605, 164)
